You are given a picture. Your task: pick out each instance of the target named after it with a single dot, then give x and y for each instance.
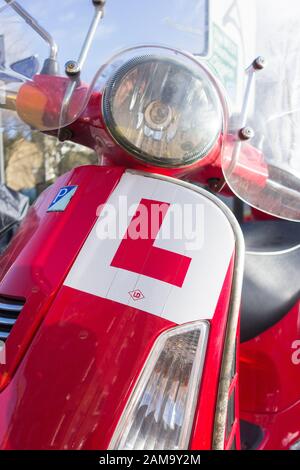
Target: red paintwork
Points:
(73, 358)
(266, 368)
(140, 256)
(41, 254)
(259, 215)
(80, 369)
(75, 379)
(281, 430)
(270, 381)
(205, 414)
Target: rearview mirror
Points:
(27, 67)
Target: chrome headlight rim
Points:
(216, 94)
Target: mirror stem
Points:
(73, 68)
(99, 11)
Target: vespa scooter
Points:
(121, 295)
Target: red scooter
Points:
(136, 312)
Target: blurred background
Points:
(32, 161)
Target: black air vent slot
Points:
(10, 310)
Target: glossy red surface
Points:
(205, 414)
(82, 354)
(44, 249)
(270, 382)
(259, 215)
(281, 430)
(75, 379)
(73, 358)
(270, 369)
(72, 385)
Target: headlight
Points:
(160, 412)
(163, 108)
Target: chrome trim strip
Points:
(234, 307)
(7, 321)
(11, 307)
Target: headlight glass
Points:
(160, 412)
(163, 108)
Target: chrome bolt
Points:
(246, 133)
(259, 63)
(72, 68)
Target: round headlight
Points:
(163, 110)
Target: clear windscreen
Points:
(32, 61)
(51, 103)
(264, 170)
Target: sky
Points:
(126, 22)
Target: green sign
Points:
(224, 59)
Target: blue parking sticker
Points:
(62, 199)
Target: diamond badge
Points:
(136, 295)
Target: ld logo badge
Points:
(136, 295)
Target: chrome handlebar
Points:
(8, 100)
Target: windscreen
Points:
(261, 160)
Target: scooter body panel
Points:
(270, 382)
(39, 257)
(83, 336)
